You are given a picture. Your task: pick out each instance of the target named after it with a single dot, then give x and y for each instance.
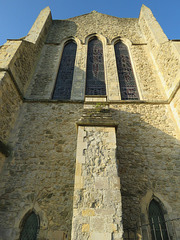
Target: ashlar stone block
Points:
(101, 183)
(100, 236)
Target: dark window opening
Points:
(157, 222)
(63, 86)
(30, 227)
(95, 78)
(127, 81)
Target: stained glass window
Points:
(95, 80)
(30, 227)
(127, 82)
(157, 222)
(65, 74)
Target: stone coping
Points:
(97, 124)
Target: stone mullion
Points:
(113, 88)
(79, 78)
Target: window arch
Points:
(127, 81)
(95, 77)
(30, 227)
(63, 86)
(157, 222)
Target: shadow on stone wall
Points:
(148, 158)
(39, 174)
(61, 29)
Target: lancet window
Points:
(127, 81)
(64, 79)
(95, 78)
(157, 222)
(30, 227)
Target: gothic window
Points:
(30, 227)
(64, 79)
(157, 222)
(95, 79)
(127, 82)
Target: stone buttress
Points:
(97, 207)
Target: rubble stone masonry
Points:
(88, 181)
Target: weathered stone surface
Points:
(98, 204)
(45, 168)
(94, 22)
(148, 146)
(149, 83)
(148, 80)
(38, 177)
(9, 105)
(40, 27)
(44, 158)
(42, 85)
(97, 115)
(165, 53)
(175, 106)
(20, 57)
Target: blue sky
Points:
(17, 16)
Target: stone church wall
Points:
(175, 106)
(148, 150)
(148, 81)
(10, 102)
(40, 171)
(42, 133)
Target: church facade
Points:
(90, 130)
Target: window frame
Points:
(104, 44)
(63, 44)
(24, 220)
(161, 209)
(128, 44)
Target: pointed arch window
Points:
(157, 222)
(30, 227)
(127, 81)
(95, 78)
(63, 86)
